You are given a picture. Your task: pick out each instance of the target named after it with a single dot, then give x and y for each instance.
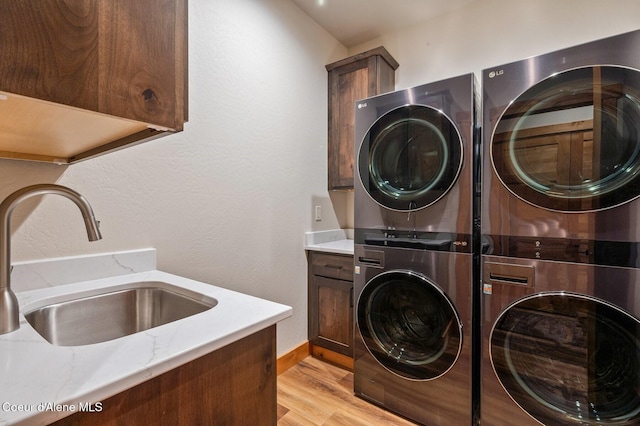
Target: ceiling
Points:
(353, 22)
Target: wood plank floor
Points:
(315, 393)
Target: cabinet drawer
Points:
(332, 266)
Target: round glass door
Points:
(571, 143)
(409, 325)
(410, 158)
(569, 359)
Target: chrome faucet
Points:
(9, 310)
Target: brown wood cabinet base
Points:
(330, 292)
(332, 357)
(235, 385)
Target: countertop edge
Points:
(338, 247)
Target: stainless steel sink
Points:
(110, 315)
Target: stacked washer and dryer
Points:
(545, 328)
(561, 234)
(414, 220)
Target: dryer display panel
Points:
(410, 158)
(571, 142)
(409, 325)
(569, 359)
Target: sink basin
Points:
(112, 314)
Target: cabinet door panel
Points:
(333, 317)
(334, 303)
(141, 65)
(118, 57)
(351, 85)
(358, 77)
(50, 51)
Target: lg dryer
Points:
(414, 151)
(561, 140)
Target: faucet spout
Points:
(9, 309)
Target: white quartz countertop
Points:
(334, 241)
(338, 246)
(38, 378)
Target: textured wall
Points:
(487, 33)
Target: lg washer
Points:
(562, 343)
(413, 343)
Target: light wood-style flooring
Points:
(315, 393)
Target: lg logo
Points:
(497, 73)
(362, 105)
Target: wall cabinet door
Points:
(357, 77)
(63, 62)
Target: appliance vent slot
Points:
(515, 280)
(369, 260)
(508, 274)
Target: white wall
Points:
(488, 33)
(228, 200)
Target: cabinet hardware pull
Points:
(333, 266)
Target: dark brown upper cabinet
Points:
(361, 76)
(80, 78)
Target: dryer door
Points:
(410, 158)
(569, 359)
(409, 325)
(571, 142)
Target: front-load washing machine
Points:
(412, 349)
(414, 152)
(562, 343)
(561, 148)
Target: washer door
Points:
(410, 158)
(569, 359)
(571, 143)
(409, 325)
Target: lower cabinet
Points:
(235, 385)
(331, 307)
